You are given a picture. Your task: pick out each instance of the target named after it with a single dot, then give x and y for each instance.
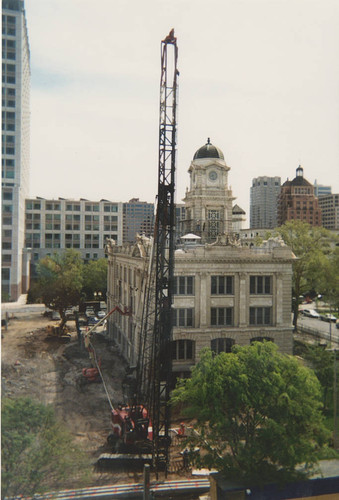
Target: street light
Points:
(335, 401)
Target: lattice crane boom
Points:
(164, 251)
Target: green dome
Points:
(208, 151)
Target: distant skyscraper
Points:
(263, 202)
(15, 147)
(138, 219)
(329, 205)
(297, 201)
(320, 190)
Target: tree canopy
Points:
(321, 360)
(37, 453)
(95, 278)
(257, 412)
(312, 247)
(60, 280)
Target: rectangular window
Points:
(183, 317)
(221, 316)
(260, 285)
(5, 274)
(222, 285)
(183, 285)
(182, 349)
(260, 315)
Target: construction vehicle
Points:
(143, 425)
(132, 430)
(58, 331)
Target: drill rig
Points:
(161, 373)
(143, 427)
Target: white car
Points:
(101, 314)
(310, 313)
(328, 317)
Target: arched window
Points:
(222, 345)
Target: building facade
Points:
(329, 205)
(224, 293)
(58, 224)
(238, 219)
(321, 190)
(298, 202)
(209, 200)
(138, 219)
(264, 194)
(15, 148)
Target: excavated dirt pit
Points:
(51, 372)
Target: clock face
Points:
(212, 175)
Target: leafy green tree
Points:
(329, 279)
(60, 281)
(258, 413)
(311, 246)
(95, 278)
(37, 453)
(321, 360)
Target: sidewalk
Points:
(20, 306)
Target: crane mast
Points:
(164, 253)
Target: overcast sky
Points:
(259, 77)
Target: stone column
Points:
(243, 299)
(203, 300)
(277, 294)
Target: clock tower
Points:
(208, 201)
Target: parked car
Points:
(90, 311)
(69, 313)
(328, 317)
(101, 314)
(337, 325)
(310, 313)
(92, 320)
(55, 316)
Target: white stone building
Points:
(224, 293)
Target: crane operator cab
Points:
(131, 429)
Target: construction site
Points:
(51, 372)
(168, 297)
(120, 415)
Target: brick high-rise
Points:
(298, 202)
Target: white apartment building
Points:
(58, 224)
(15, 148)
(329, 205)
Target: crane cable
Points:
(95, 359)
(92, 354)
